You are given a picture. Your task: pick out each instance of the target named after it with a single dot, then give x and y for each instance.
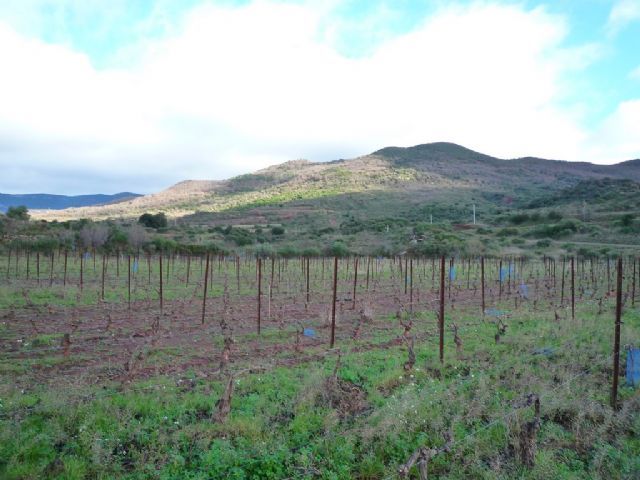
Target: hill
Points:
(429, 171)
(388, 200)
(59, 202)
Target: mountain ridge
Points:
(426, 171)
(58, 202)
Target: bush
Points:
(543, 243)
(337, 249)
(626, 220)
(18, 213)
(554, 216)
(277, 230)
(506, 232)
(241, 237)
(288, 251)
(159, 220)
(586, 253)
(519, 218)
(557, 230)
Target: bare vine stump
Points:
(412, 356)
(66, 344)
(224, 403)
(528, 434)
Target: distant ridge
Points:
(59, 202)
(392, 179)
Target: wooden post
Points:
(411, 284)
(104, 268)
(441, 315)
(573, 289)
(406, 273)
(204, 293)
(81, 269)
(333, 308)
(273, 261)
(633, 285)
(64, 280)
(355, 282)
(129, 281)
(482, 283)
(564, 260)
(238, 273)
(259, 291)
(50, 269)
(368, 268)
(307, 275)
(161, 299)
(188, 267)
(616, 345)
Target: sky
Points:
(103, 96)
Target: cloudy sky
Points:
(113, 95)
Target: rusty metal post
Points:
(411, 284)
(633, 284)
(355, 282)
(307, 279)
(573, 289)
(204, 293)
(161, 293)
(482, 283)
(333, 308)
(441, 314)
(129, 282)
(259, 292)
(616, 345)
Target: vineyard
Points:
(202, 365)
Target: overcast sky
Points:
(114, 95)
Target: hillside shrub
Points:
(557, 230)
(507, 232)
(159, 220)
(519, 218)
(337, 249)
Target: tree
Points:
(94, 236)
(18, 213)
(627, 219)
(137, 237)
(159, 220)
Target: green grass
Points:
(279, 427)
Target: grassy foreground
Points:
(288, 422)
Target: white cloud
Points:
(622, 14)
(618, 137)
(239, 88)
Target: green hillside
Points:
(398, 199)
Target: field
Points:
(180, 366)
